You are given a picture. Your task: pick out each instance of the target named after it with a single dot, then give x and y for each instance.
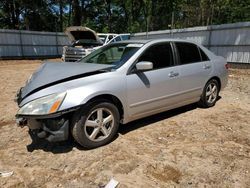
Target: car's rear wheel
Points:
(210, 94)
(96, 125)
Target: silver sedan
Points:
(118, 83)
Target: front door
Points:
(153, 90)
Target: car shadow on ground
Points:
(56, 148)
(67, 146)
(124, 129)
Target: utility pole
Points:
(172, 24)
(147, 20)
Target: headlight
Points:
(44, 105)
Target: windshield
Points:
(114, 54)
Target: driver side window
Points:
(160, 55)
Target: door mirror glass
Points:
(144, 65)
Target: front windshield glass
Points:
(115, 54)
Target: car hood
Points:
(84, 34)
(54, 73)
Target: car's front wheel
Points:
(210, 94)
(96, 125)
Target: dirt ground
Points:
(187, 147)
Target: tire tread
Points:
(80, 117)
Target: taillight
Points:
(227, 66)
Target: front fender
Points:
(81, 95)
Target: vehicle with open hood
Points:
(118, 83)
(84, 41)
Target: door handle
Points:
(173, 74)
(207, 66)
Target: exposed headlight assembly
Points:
(42, 106)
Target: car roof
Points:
(124, 34)
(144, 41)
(106, 34)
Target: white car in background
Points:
(84, 41)
(106, 37)
(109, 38)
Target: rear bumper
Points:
(224, 80)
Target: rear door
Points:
(195, 68)
(153, 90)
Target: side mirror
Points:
(144, 65)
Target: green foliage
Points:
(120, 16)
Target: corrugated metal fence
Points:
(231, 41)
(31, 44)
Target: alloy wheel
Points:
(99, 124)
(211, 93)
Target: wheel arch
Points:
(111, 98)
(217, 79)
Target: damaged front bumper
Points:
(53, 130)
(51, 127)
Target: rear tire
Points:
(210, 94)
(96, 124)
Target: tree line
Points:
(120, 16)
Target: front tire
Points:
(96, 125)
(210, 94)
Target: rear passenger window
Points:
(188, 52)
(203, 55)
(160, 55)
